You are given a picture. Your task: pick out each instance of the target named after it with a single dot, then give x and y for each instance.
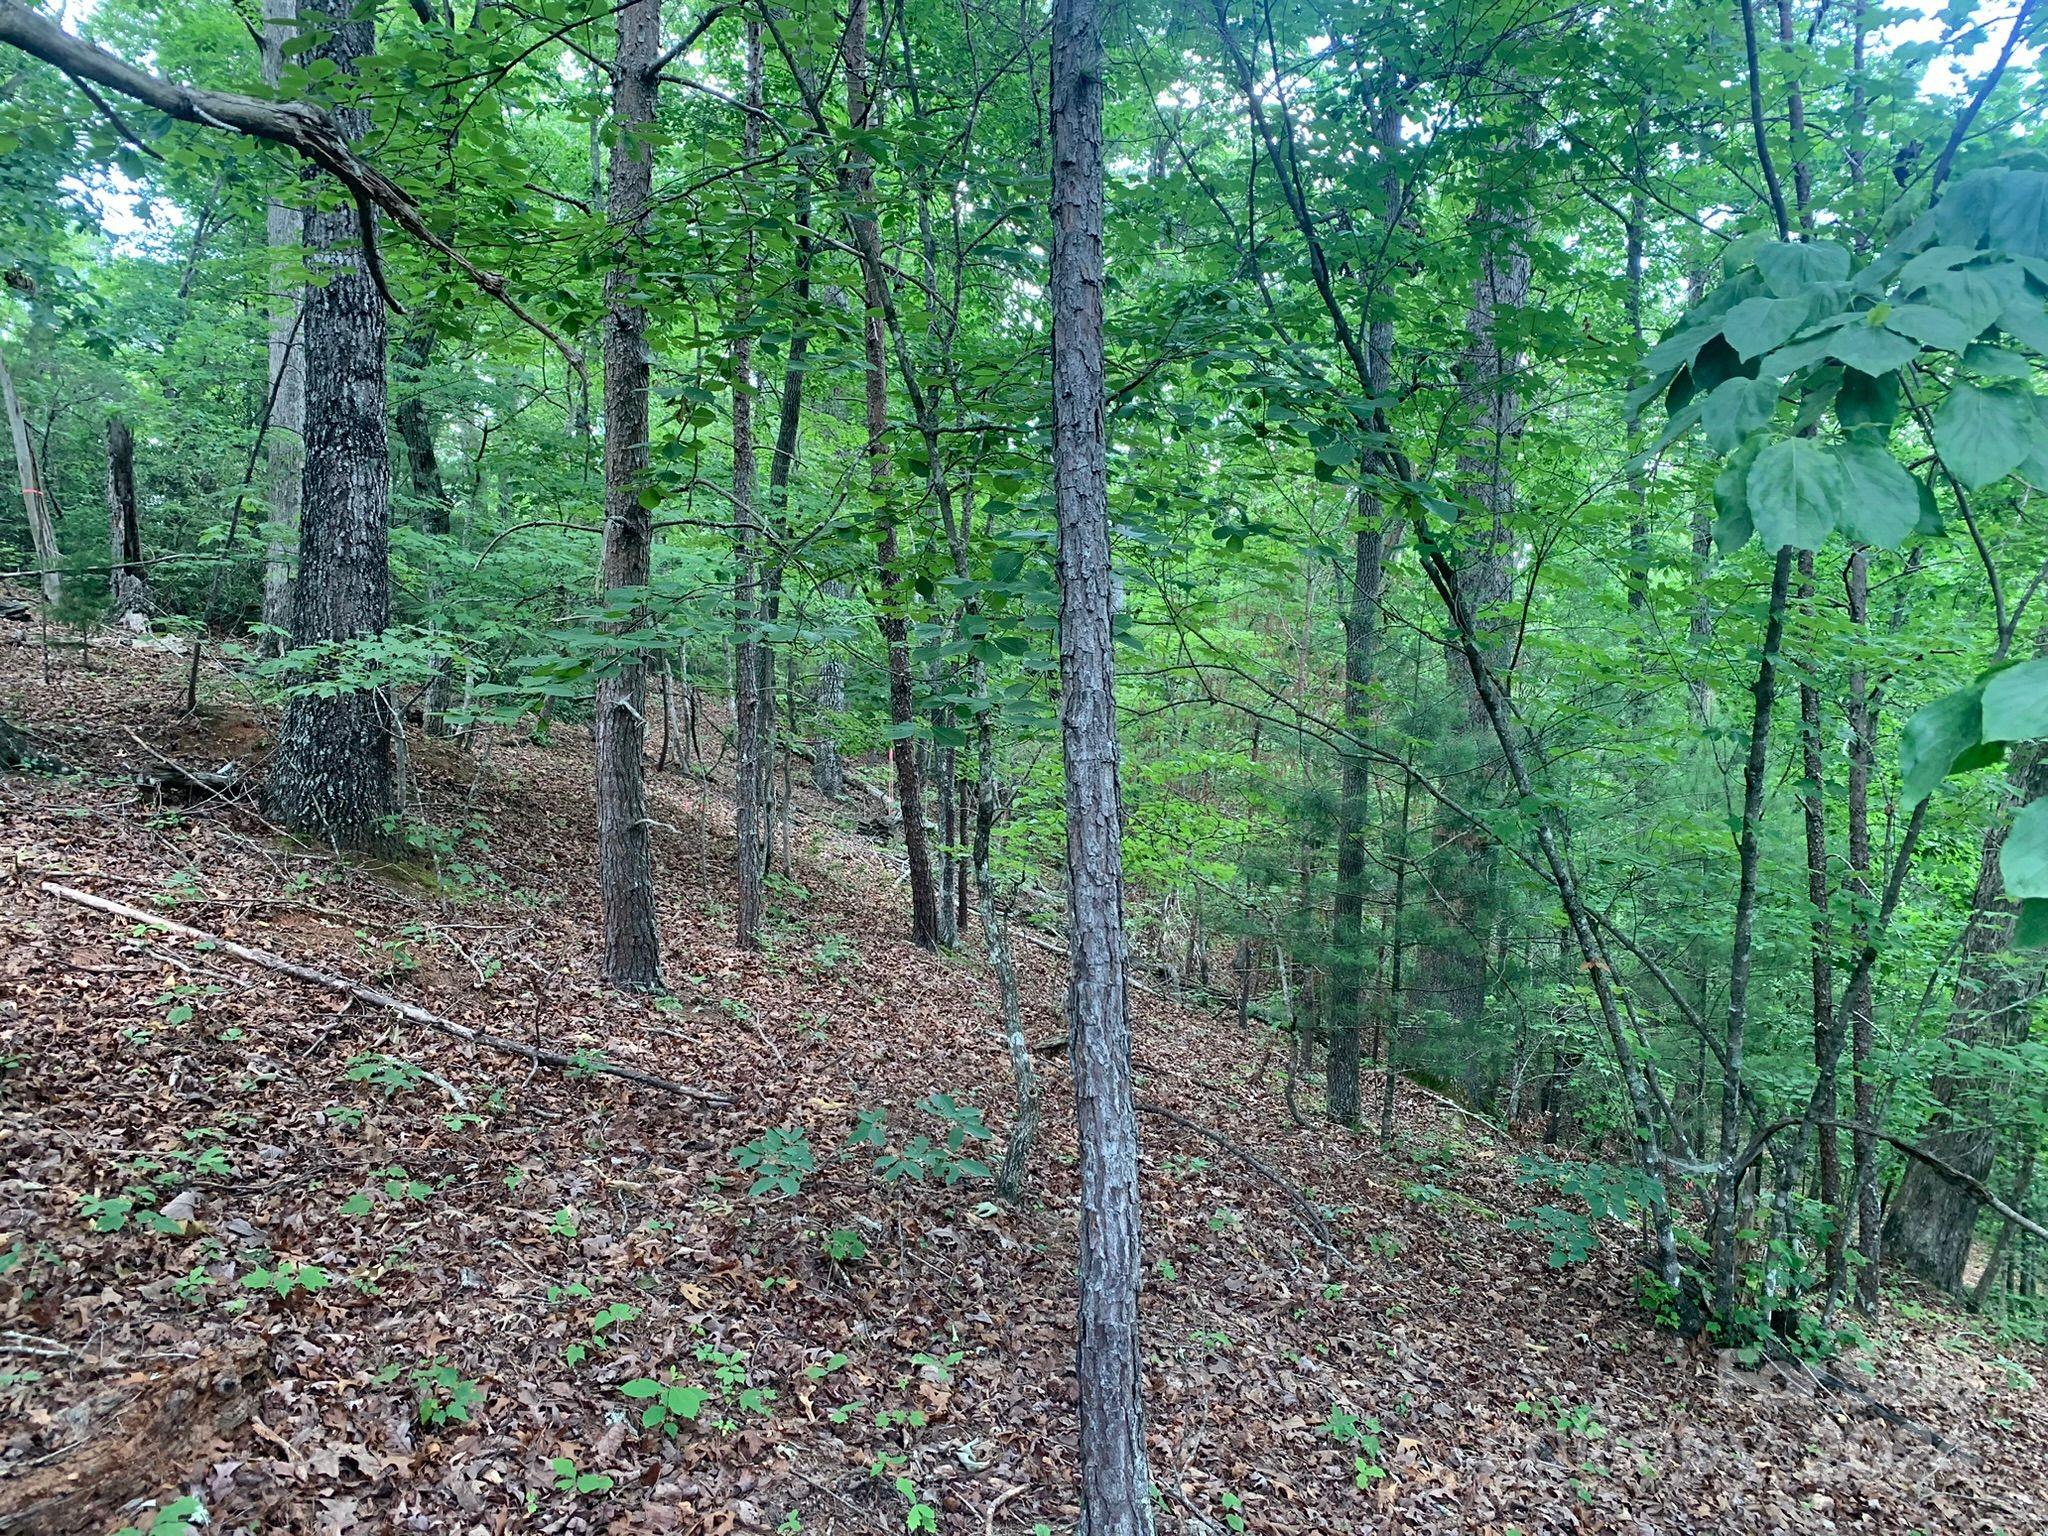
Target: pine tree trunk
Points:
(625, 854)
(1115, 1480)
(285, 444)
(125, 581)
(333, 775)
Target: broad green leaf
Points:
(1738, 408)
(1872, 348)
(1797, 493)
(2019, 217)
(2016, 703)
(2025, 320)
(1997, 362)
(1964, 214)
(1732, 529)
(1756, 326)
(1974, 295)
(2030, 929)
(1787, 268)
(1935, 737)
(1883, 504)
(1866, 400)
(1935, 327)
(1984, 434)
(2023, 861)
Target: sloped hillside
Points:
(328, 1270)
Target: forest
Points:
(926, 765)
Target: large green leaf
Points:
(1797, 492)
(1733, 529)
(1936, 736)
(1984, 434)
(2019, 218)
(1966, 210)
(1872, 348)
(1787, 268)
(2025, 320)
(2023, 861)
(1932, 326)
(1884, 501)
(1866, 400)
(2016, 703)
(1736, 409)
(1755, 326)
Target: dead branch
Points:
(1311, 1215)
(405, 1010)
(297, 125)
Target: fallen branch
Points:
(1311, 1215)
(1409, 1085)
(405, 1010)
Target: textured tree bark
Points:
(750, 696)
(42, 530)
(416, 429)
(625, 854)
(1932, 1220)
(1115, 1478)
(893, 617)
(285, 446)
(1451, 971)
(333, 775)
(1764, 693)
(1857, 995)
(125, 582)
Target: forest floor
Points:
(511, 1248)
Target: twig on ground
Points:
(405, 1010)
(1311, 1216)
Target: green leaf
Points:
(2030, 929)
(1883, 503)
(1935, 737)
(1935, 327)
(2023, 861)
(1997, 362)
(1797, 492)
(2019, 215)
(1787, 268)
(1733, 528)
(2016, 703)
(1867, 400)
(2025, 320)
(1984, 434)
(1756, 326)
(1964, 214)
(640, 1389)
(1738, 408)
(1872, 348)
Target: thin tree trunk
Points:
(1116, 1497)
(893, 617)
(1741, 948)
(42, 530)
(632, 949)
(1390, 1031)
(285, 448)
(334, 774)
(750, 699)
(125, 581)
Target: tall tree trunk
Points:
(416, 428)
(1361, 644)
(1115, 1480)
(334, 775)
(625, 854)
(125, 581)
(751, 699)
(1932, 1220)
(894, 604)
(42, 528)
(1452, 969)
(285, 446)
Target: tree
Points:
(632, 947)
(333, 775)
(125, 581)
(285, 462)
(1116, 1495)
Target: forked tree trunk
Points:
(625, 854)
(751, 699)
(125, 582)
(333, 775)
(285, 444)
(1115, 1479)
(42, 529)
